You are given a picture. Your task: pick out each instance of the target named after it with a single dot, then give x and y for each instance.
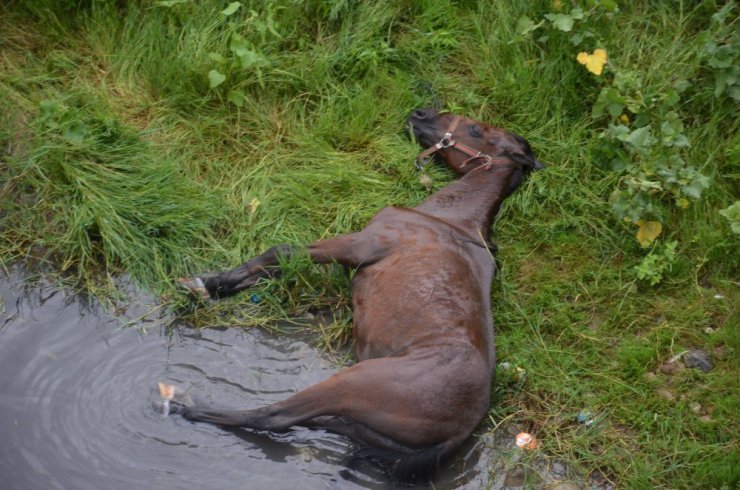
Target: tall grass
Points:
(120, 155)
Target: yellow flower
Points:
(594, 62)
(624, 118)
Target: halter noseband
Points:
(447, 142)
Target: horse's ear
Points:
(527, 155)
(529, 161)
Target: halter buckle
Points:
(445, 142)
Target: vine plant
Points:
(642, 133)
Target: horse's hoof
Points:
(195, 286)
(172, 399)
(166, 391)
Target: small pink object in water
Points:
(166, 391)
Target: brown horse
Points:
(423, 331)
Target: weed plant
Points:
(164, 138)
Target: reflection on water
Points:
(77, 392)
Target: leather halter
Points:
(448, 142)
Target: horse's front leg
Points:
(229, 282)
(350, 250)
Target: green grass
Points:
(116, 156)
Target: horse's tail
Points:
(419, 466)
(414, 467)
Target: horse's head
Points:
(464, 144)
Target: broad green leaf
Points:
(49, 111)
(610, 100)
(617, 131)
(672, 125)
(525, 25)
(609, 5)
(619, 164)
(241, 50)
(75, 133)
(48, 108)
(723, 57)
(563, 22)
(215, 78)
(671, 97)
(641, 118)
(237, 98)
(696, 186)
(682, 85)
(721, 15)
(734, 92)
(237, 43)
(732, 214)
(218, 58)
(639, 138)
(248, 58)
(231, 9)
(681, 141)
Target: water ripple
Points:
(76, 393)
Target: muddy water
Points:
(77, 387)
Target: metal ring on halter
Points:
(445, 142)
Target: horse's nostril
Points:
(420, 113)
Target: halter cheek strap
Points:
(448, 142)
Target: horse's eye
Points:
(475, 131)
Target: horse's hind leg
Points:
(374, 392)
(414, 406)
(316, 401)
(349, 250)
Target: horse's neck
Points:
(473, 201)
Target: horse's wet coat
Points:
(422, 322)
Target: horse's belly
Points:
(399, 305)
